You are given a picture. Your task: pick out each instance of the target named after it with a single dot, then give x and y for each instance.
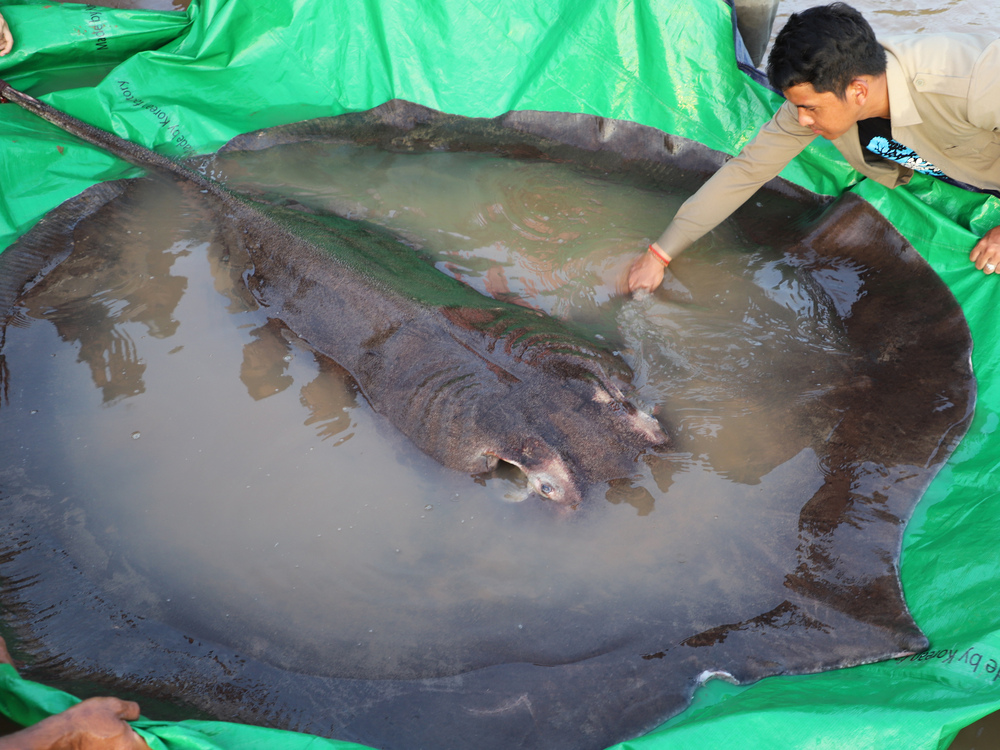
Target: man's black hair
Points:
(828, 46)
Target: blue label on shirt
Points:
(896, 151)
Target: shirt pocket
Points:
(981, 152)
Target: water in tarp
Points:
(253, 498)
(186, 468)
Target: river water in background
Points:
(889, 17)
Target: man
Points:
(927, 103)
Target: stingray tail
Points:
(130, 152)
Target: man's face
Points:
(825, 114)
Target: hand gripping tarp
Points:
(185, 83)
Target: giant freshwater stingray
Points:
(878, 432)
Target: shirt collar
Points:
(902, 111)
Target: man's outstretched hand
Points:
(645, 274)
(986, 253)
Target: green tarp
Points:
(185, 83)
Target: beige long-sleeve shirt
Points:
(944, 103)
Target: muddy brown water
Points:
(225, 482)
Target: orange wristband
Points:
(660, 256)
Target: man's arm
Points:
(779, 141)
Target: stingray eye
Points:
(546, 489)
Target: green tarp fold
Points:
(185, 83)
